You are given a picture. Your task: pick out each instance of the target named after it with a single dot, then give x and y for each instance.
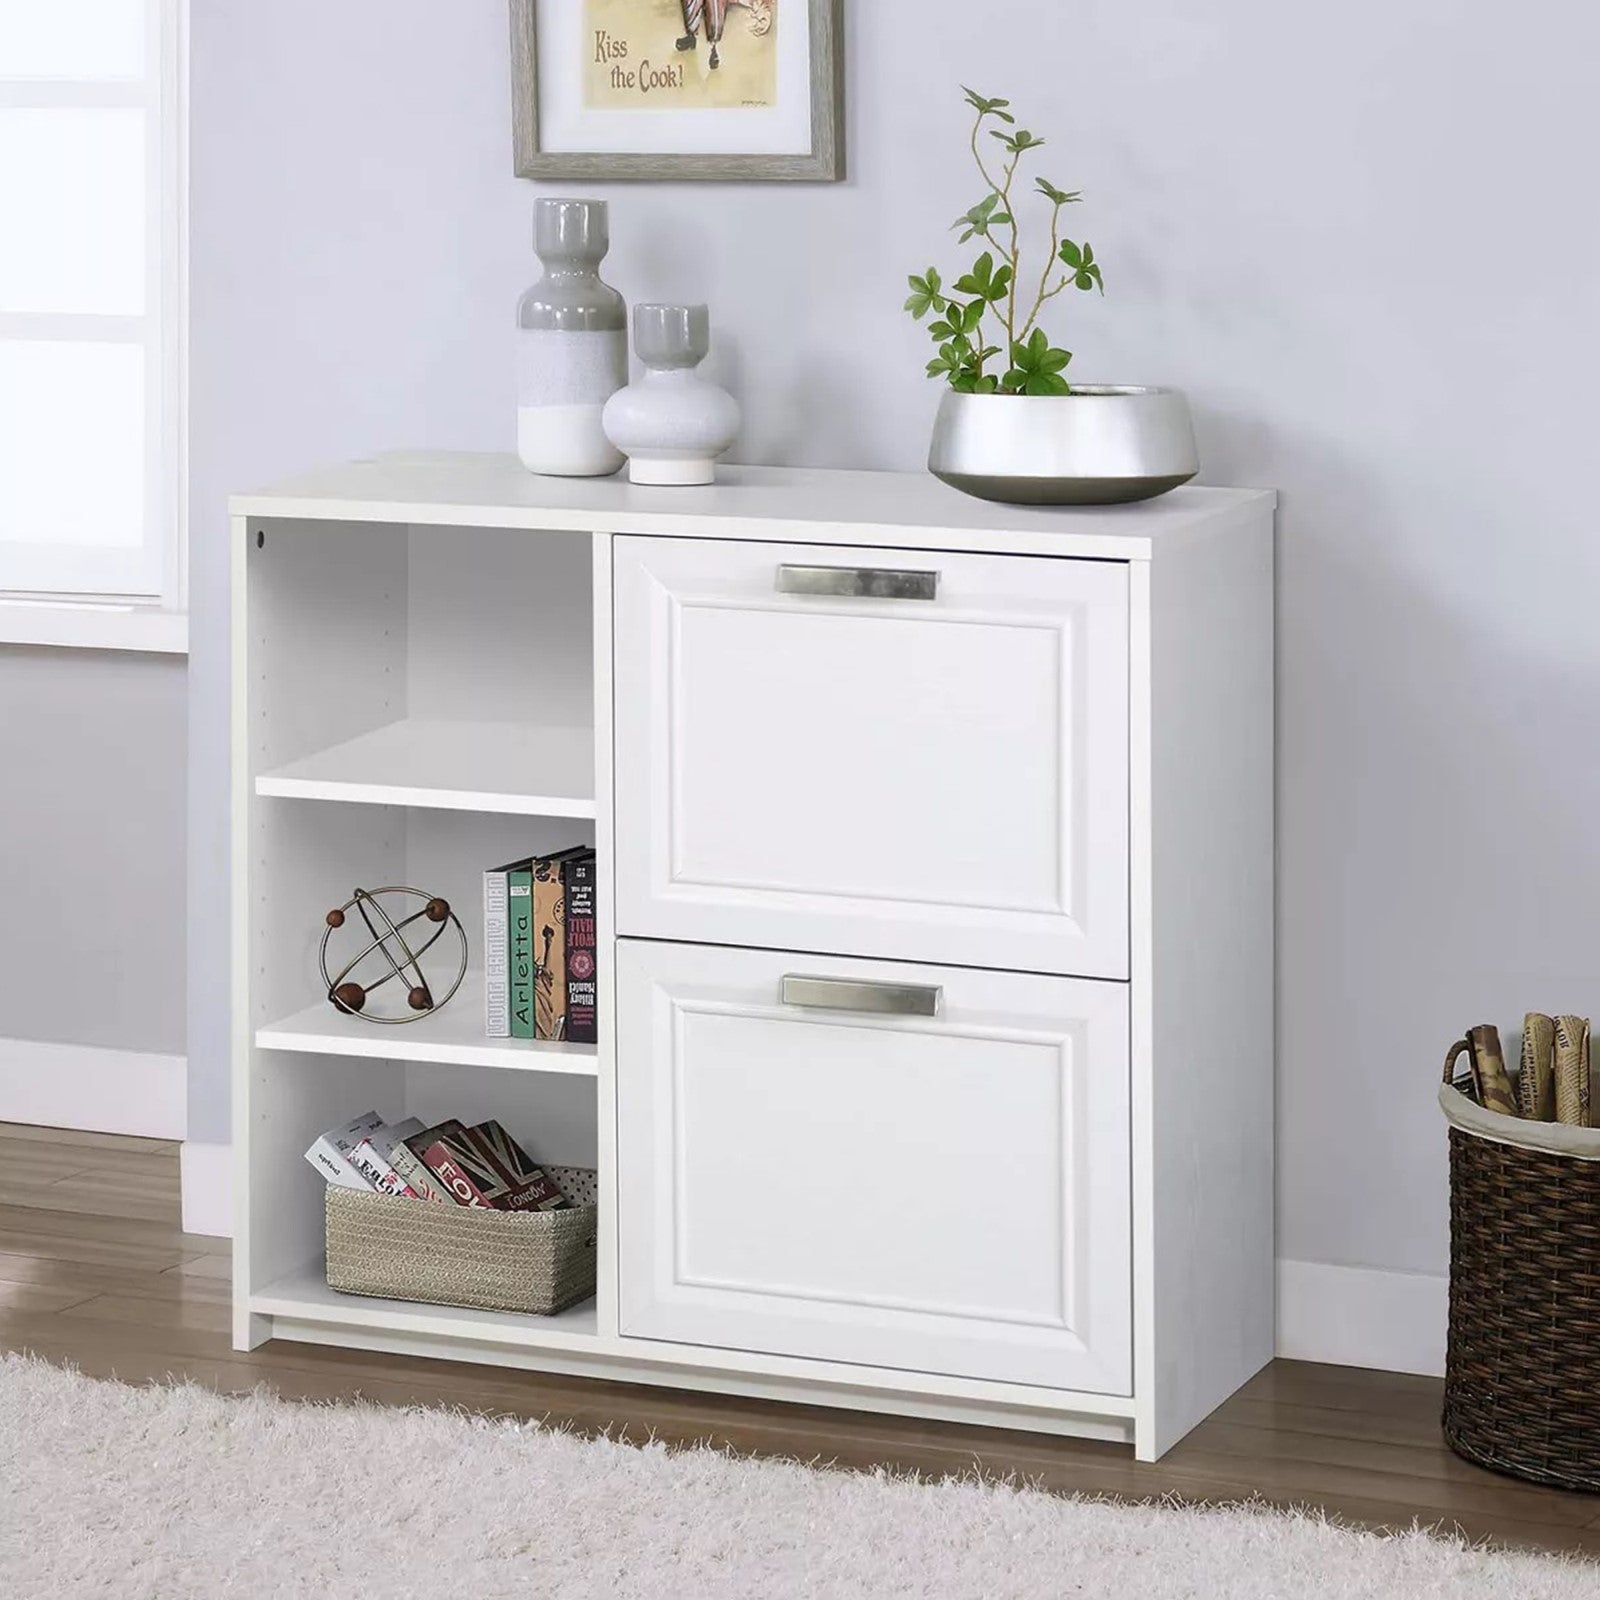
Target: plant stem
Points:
(1016, 254)
(1002, 192)
(1052, 294)
(1003, 196)
(977, 128)
(1044, 277)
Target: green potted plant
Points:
(1011, 426)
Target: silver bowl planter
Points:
(1097, 446)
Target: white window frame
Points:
(145, 605)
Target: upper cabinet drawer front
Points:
(938, 778)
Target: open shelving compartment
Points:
(294, 1097)
(418, 707)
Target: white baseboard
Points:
(205, 1175)
(1359, 1317)
(93, 1089)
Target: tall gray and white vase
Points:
(673, 423)
(572, 345)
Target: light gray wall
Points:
(92, 761)
(1359, 235)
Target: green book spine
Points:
(519, 948)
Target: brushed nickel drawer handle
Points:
(859, 583)
(847, 994)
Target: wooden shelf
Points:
(452, 1036)
(512, 768)
(304, 1296)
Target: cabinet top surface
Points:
(804, 503)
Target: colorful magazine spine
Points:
(367, 1160)
(496, 969)
(330, 1153)
(527, 1186)
(583, 1024)
(460, 1171)
(422, 1183)
(407, 1167)
(519, 938)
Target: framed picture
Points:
(696, 89)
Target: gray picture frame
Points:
(823, 164)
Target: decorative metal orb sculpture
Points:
(389, 956)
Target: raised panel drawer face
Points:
(902, 753)
(942, 1193)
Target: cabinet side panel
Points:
(318, 644)
(605, 932)
(1204, 995)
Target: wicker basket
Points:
(399, 1249)
(1522, 1374)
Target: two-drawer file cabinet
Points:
(936, 843)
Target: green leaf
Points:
(1061, 197)
(942, 329)
(985, 281)
(1017, 142)
(986, 107)
(1084, 280)
(1088, 254)
(1071, 254)
(973, 315)
(1045, 383)
(925, 294)
(987, 384)
(977, 281)
(980, 218)
(1036, 366)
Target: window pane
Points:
(72, 198)
(72, 443)
(72, 38)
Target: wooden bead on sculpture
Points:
(437, 910)
(336, 918)
(349, 997)
(419, 999)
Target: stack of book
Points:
(449, 1163)
(539, 948)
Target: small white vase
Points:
(672, 424)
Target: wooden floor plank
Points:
(119, 1293)
(28, 1133)
(181, 1311)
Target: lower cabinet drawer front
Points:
(840, 1175)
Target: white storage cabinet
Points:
(935, 839)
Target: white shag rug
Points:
(168, 1493)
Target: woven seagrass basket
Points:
(400, 1249)
(1522, 1371)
